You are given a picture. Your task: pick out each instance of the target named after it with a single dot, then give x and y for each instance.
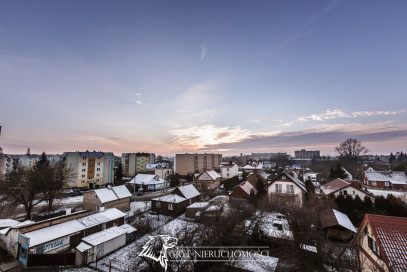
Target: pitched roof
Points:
(172, 198)
(103, 236)
(332, 217)
(146, 179)
(395, 177)
(118, 192)
(334, 185)
(298, 182)
(211, 173)
(391, 235)
(247, 187)
(188, 191)
(121, 191)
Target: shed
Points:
(336, 225)
(100, 244)
(195, 207)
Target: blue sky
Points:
(185, 76)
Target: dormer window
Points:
(283, 177)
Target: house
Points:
(249, 168)
(338, 186)
(385, 179)
(113, 197)
(285, 189)
(382, 243)
(229, 170)
(257, 175)
(207, 180)
(242, 192)
(149, 182)
(176, 202)
(337, 225)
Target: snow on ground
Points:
(139, 207)
(255, 262)
(63, 201)
(402, 195)
(78, 269)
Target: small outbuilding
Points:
(195, 207)
(336, 225)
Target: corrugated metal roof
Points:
(189, 191)
(104, 236)
(121, 191)
(105, 195)
(54, 232)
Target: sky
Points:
(228, 77)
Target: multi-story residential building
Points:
(190, 163)
(307, 154)
(89, 168)
(28, 161)
(6, 164)
(133, 163)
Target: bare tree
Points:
(351, 149)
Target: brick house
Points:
(285, 189)
(176, 202)
(114, 197)
(242, 192)
(257, 175)
(382, 243)
(385, 179)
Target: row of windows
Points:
(84, 170)
(289, 188)
(84, 163)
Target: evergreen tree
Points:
(367, 205)
(337, 172)
(392, 158)
(119, 173)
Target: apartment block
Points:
(307, 154)
(89, 168)
(6, 164)
(191, 163)
(133, 163)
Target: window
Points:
(279, 188)
(97, 169)
(283, 177)
(95, 196)
(290, 189)
(98, 163)
(91, 166)
(98, 175)
(374, 183)
(84, 164)
(90, 173)
(83, 182)
(227, 169)
(373, 246)
(91, 161)
(83, 176)
(344, 192)
(83, 170)
(354, 193)
(84, 158)
(158, 204)
(170, 206)
(386, 184)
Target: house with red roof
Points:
(338, 186)
(382, 243)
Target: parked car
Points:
(140, 191)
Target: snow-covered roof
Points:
(188, 191)
(127, 228)
(172, 198)
(211, 174)
(268, 226)
(198, 205)
(105, 195)
(391, 236)
(54, 232)
(83, 247)
(332, 218)
(293, 179)
(247, 187)
(248, 167)
(395, 177)
(121, 191)
(309, 248)
(343, 220)
(104, 236)
(101, 217)
(146, 179)
(5, 223)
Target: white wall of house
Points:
(229, 172)
(352, 192)
(297, 190)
